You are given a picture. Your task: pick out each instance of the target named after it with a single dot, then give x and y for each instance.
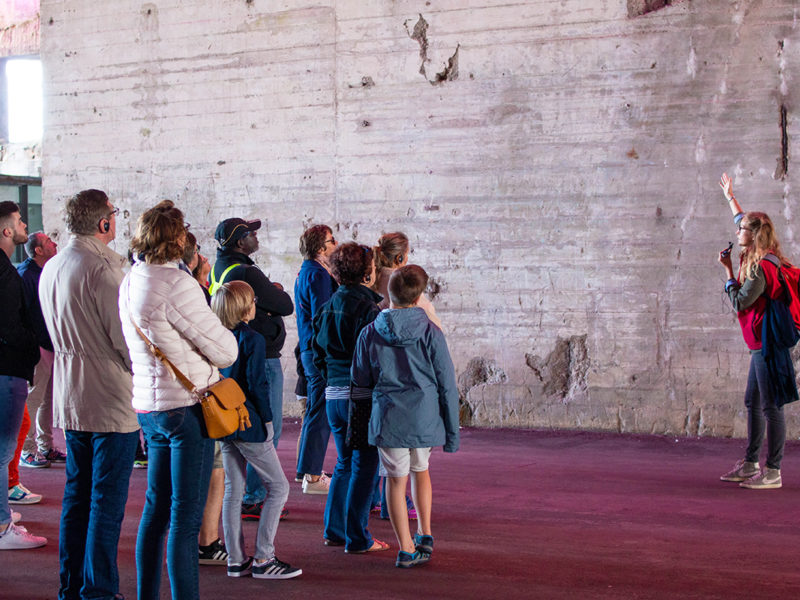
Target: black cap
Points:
(232, 230)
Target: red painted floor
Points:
(517, 514)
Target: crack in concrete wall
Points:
(420, 35)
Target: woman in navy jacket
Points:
(336, 327)
(313, 288)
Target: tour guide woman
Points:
(750, 293)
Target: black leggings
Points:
(761, 409)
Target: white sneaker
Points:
(320, 486)
(15, 517)
(16, 537)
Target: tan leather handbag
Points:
(222, 402)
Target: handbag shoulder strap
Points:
(156, 351)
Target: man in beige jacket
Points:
(92, 390)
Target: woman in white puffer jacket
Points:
(166, 303)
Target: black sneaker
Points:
(274, 569)
(251, 512)
(214, 554)
(242, 570)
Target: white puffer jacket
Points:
(171, 309)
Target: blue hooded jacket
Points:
(403, 358)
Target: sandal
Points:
(377, 546)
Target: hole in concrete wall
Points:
(479, 370)
(564, 370)
(420, 35)
(435, 287)
(450, 72)
(637, 8)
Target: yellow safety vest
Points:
(215, 285)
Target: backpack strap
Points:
(215, 285)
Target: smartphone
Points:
(727, 250)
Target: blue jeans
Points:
(98, 472)
(264, 458)
(180, 459)
(347, 507)
(316, 431)
(13, 391)
(255, 492)
(761, 408)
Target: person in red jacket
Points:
(757, 278)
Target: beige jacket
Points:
(78, 290)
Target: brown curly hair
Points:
(312, 242)
(160, 234)
(351, 263)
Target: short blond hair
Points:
(231, 302)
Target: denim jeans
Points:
(352, 485)
(760, 408)
(180, 458)
(98, 472)
(255, 492)
(316, 430)
(13, 391)
(263, 458)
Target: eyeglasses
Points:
(330, 241)
(255, 299)
(113, 212)
(742, 227)
(186, 225)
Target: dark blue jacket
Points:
(250, 372)
(273, 303)
(403, 358)
(313, 287)
(336, 329)
(19, 348)
(778, 336)
(30, 272)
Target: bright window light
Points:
(24, 79)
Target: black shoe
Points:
(214, 554)
(242, 570)
(275, 569)
(251, 512)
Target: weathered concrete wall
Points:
(555, 164)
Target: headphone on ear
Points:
(104, 225)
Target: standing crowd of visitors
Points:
(117, 351)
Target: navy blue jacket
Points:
(273, 303)
(313, 287)
(403, 358)
(30, 272)
(250, 372)
(336, 329)
(19, 348)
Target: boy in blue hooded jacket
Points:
(403, 358)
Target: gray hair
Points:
(35, 240)
(85, 210)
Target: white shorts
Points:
(399, 461)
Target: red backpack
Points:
(789, 276)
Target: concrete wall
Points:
(555, 164)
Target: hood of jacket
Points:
(401, 326)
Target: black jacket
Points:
(19, 348)
(273, 304)
(336, 329)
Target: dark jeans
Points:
(761, 409)
(316, 431)
(98, 471)
(179, 461)
(347, 507)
